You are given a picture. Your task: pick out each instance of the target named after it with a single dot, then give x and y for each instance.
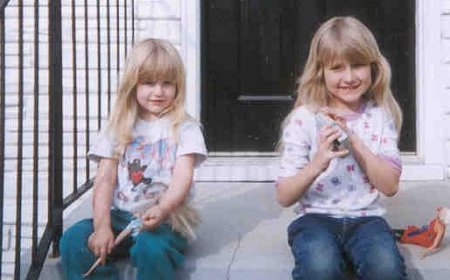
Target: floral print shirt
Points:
(343, 189)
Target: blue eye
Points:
(336, 67)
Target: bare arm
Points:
(101, 240)
(290, 189)
(176, 193)
(104, 183)
(178, 190)
(380, 172)
(440, 230)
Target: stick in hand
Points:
(133, 227)
(124, 233)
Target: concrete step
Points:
(243, 234)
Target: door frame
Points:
(428, 162)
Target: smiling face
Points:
(154, 98)
(346, 82)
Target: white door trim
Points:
(428, 163)
(190, 51)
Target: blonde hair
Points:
(348, 38)
(153, 60)
(149, 60)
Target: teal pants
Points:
(156, 254)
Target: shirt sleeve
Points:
(103, 147)
(191, 141)
(296, 145)
(388, 144)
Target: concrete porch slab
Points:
(243, 234)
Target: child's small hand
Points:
(340, 121)
(325, 152)
(429, 252)
(153, 217)
(101, 243)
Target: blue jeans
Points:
(156, 254)
(326, 247)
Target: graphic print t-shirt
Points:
(145, 169)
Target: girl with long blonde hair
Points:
(338, 155)
(146, 158)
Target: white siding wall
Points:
(445, 67)
(159, 19)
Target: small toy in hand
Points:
(324, 118)
(429, 236)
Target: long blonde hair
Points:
(149, 60)
(346, 37)
(153, 60)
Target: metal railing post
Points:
(55, 211)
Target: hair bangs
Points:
(158, 66)
(334, 48)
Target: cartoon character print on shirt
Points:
(136, 173)
(149, 167)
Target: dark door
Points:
(253, 52)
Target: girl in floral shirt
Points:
(339, 153)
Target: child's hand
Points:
(325, 152)
(428, 252)
(153, 217)
(101, 243)
(342, 122)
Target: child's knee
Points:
(320, 267)
(390, 264)
(148, 249)
(75, 238)
(383, 270)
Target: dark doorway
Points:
(253, 52)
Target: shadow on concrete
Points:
(228, 213)
(234, 213)
(416, 203)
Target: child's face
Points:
(154, 97)
(346, 83)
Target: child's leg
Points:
(372, 249)
(157, 253)
(315, 246)
(76, 257)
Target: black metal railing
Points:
(59, 67)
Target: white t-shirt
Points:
(343, 189)
(146, 167)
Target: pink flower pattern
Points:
(351, 168)
(344, 189)
(319, 187)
